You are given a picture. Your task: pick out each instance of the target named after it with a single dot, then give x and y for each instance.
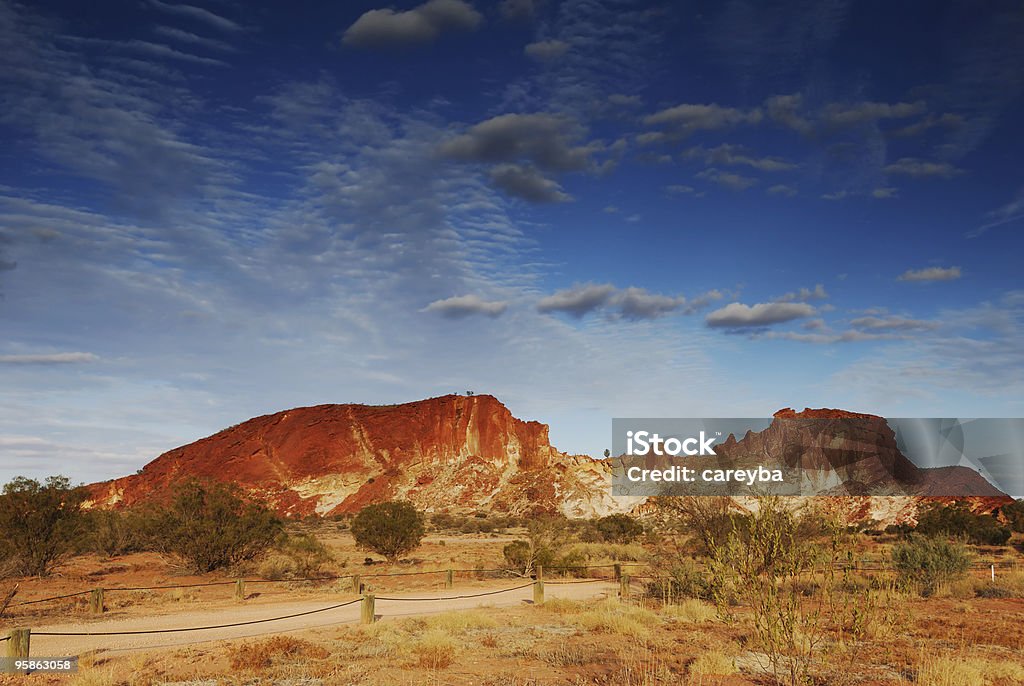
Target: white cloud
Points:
(892, 323)
(461, 306)
(735, 182)
(547, 50)
(48, 358)
(804, 294)
(735, 155)
(577, 301)
(920, 169)
(685, 119)
(546, 140)
(527, 183)
(739, 316)
(931, 274)
(420, 25)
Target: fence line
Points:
(312, 578)
(194, 628)
(460, 597)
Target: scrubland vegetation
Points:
(772, 596)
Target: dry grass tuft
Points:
(613, 617)
(943, 670)
(435, 650)
(690, 611)
(457, 622)
(711, 663)
(261, 654)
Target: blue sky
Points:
(589, 209)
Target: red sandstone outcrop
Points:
(452, 453)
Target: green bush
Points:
(925, 564)
(619, 528)
(958, 520)
(112, 534)
(41, 523)
(306, 554)
(391, 529)
(1014, 515)
(210, 526)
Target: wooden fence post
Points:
(618, 571)
(240, 589)
(96, 601)
(540, 572)
(624, 587)
(357, 584)
(449, 579)
(368, 608)
(538, 592)
(18, 645)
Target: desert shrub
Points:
(683, 579)
(1014, 515)
(210, 526)
(392, 529)
(925, 564)
(41, 523)
(619, 528)
(957, 520)
(112, 534)
(306, 553)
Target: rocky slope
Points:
(463, 454)
(452, 453)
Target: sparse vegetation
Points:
(391, 529)
(41, 523)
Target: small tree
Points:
(40, 523)
(392, 529)
(619, 528)
(210, 526)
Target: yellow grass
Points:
(711, 663)
(690, 611)
(613, 617)
(435, 650)
(943, 670)
(457, 622)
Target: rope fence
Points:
(194, 628)
(378, 575)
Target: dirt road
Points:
(402, 606)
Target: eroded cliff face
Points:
(464, 454)
(453, 453)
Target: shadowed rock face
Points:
(451, 453)
(853, 459)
